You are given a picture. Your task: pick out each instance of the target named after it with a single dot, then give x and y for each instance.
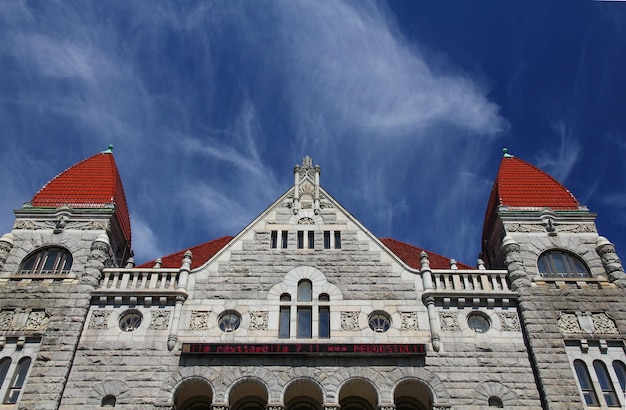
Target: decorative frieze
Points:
(408, 321)
(349, 320)
(199, 320)
(37, 320)
(603, 324)
(509, 321)
(587, 322)
(449, 320)
(568, 323)
(99, 319)
(258, 320)
(78, 225)
(306, 221)
(160, 319)
(25, 320)
(6, 319)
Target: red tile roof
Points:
(92, 183)
(199, 254)
(411, 255)
(520, 185)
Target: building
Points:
(305, 309)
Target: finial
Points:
(109, 150)
(505, 151)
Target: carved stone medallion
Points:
(258, 320)
(99, 319)
(199, 320)
(408, 321)
(449, 320)
(349, 320)
(509, 321)
(160, 319)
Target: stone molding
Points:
(488, 389)
(61, 224)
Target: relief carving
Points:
(449, 320)
(37, 320)
(604, 324)
(99, 319)
(509, 321)
(258, 320)
(577, 228)
(306, 221)
(160, 319)
(349, 320)
(408, 321)
(568, 323)
(6, 319)
(199, 320)
(516, 227)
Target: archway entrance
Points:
(412, 395)
(193, 394)
(303, 394)
(358, 394)
(248, 394)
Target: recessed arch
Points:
(412, 394)
(248, 393)
(303, 394)
(358, 394)
(561, 263)
(47, 261)
(319, 282)
(193, 393)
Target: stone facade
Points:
(108, 334)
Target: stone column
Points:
(434, 324)
(427, 274)
(611, 262)
(97, 261)
(6, 244)
(514, 264)
(183, 274)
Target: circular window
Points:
(478, 322)
(229, 321)
(379, 322)
(130, 321)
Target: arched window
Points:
(305, 313)
(305, 288)
(108, 401)
(47, 261)
(324, 316)
(284, 316)
(18, 381)
(309, 313)
(620, 371)
(4, 369)
(496, 402)
(585, 383)
(557, 263)
(605, 383)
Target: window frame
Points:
(37, 261)
(549, 262)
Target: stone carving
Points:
(275, 407)
(516, 227)
(5, 247)
(199, 320)
(577, 228)
(6, 319)
(61, 223)
(509, 321)
(604, 324)
(160, 319)
(306, 221)
(258, 320)
(449, 320)
(568, 323)
(218, 407)
(387, 407)
(349, 320)
(408, 321)
(99, 319)
(37, 320)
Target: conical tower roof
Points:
(92, 183)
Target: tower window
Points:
(557, 263)
(585, 383)
(18, 381)
(48, 261)
(283, 243)
(605, 384)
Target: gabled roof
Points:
(92, 183)
(520, 185)
(411, 255)
(199, 254)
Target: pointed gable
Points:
(92, 183)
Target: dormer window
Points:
(47, 261)
(558, 263)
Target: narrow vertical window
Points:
(585, 383)
(18, 381)
(300, 239)
(605, 383)
(305, 289)
(4, 369)
(311, 235)
(283, 322)
(620, 371)
(274, 240)
(284, 240)
(337, 239)
(324, 328)
(326, 239)
(305, 320)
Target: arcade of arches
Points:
(195, 393)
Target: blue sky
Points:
(405, 105)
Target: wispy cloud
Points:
(559, 161)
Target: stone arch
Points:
(249, 386)
(317, 278)
(191, 372)
(115, 388)
(413, 389)
(303, 386)
(429, 380)
(225, 380)
(190, 389)
(359, 387)
(488, 389)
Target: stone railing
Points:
(469, 280)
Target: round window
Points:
(379, 322)
(229, 321)
(478, 322)
(130, 321)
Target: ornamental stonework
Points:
(99, 319)
(408, 321)
(199, 320)
(603, 324)
(516, 227)
(568, 323)
(509, 321)
(6, 319)
(160, 319)
(306, 221)
(349, 320)
(577, 228)
(449, 320)
(258, 320)
(37, 320)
